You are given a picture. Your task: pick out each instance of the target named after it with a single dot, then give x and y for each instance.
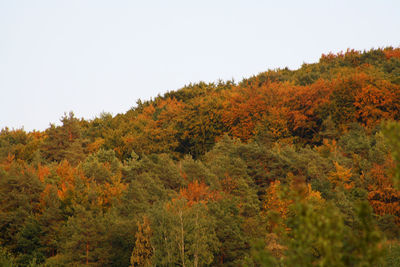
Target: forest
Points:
(285, 168)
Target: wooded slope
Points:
(289, 167)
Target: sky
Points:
(94, 56)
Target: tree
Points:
(64, 142)
(6, 258)
(51, 220)
(229, 230)
(20, 190)
(391, 132)
(202, 240)
(321, 238)
(318, 237)
(307, 108)
(199, 124)
(183, 234)
(84, 237)
(341, 177)
(29, 246)
(377, 100)
(143, 251)
(244, 109)
(165, 250)
(383, 197)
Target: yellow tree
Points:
(143, 252)
(276, 212)
(274, 202)
(341, 177)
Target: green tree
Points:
(202, 240)
(20, 190)
(51, 221)
(64, 142)
(228, 228)
(321, 238)
(29, 245)
(183, 234)
(391, 132)
(165, 250)
(84, 238)
(6, 259)
(102, 166)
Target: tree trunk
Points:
(196, 252)
(182, 239)
(87, 253)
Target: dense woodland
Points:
(286, 168)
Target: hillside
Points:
(285, 168)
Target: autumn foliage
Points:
(286, 167)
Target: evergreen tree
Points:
(84, 237)
(20, 190)
(64, 142)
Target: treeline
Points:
(286, 168)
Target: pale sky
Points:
(90, 56)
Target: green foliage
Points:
(229, 232)
(19, 197)
(321, 238)
(83, 235)
(317, 237)
(29, 244)
(393, 256)
(392, 135)
(259, 256)
(183, 234)
(6, 258)
(101, 166)
(64, 142)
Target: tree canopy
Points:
(285, 168)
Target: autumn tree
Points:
(341, 177)
(275, 210)
(143, 251)
(383, 197)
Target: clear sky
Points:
(90, 56)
